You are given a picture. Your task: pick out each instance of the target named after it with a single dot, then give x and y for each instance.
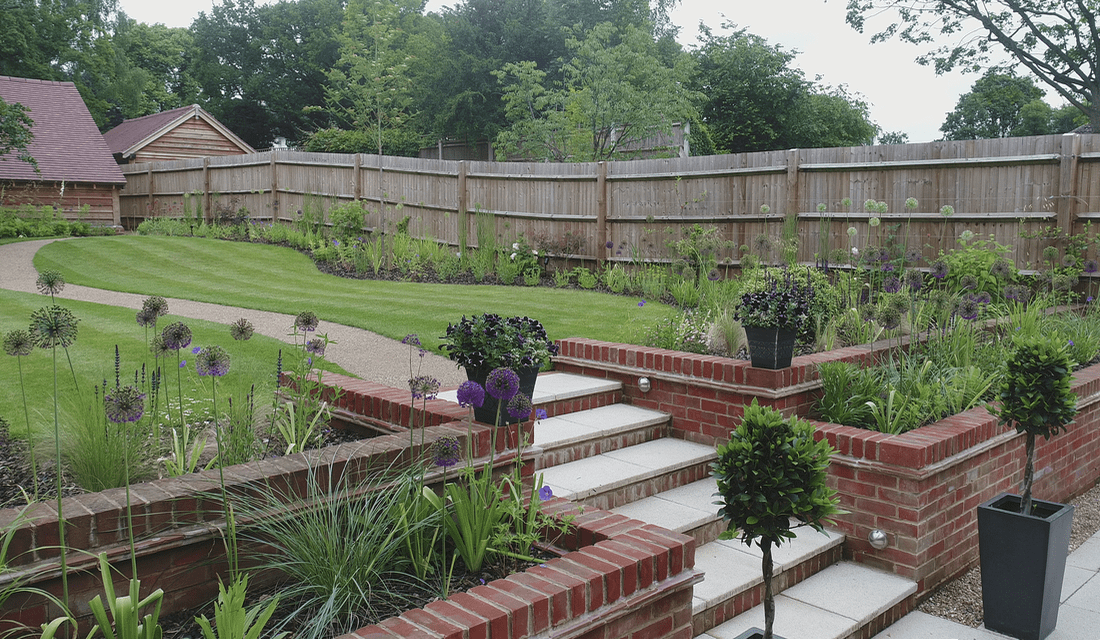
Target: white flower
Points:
(515, 245)
(534, 253)
(513, 256)
(855, 252)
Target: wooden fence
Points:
(1014, 190)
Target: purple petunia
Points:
(502, 383)
(471, 394)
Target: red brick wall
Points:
(920, 487)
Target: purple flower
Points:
(183, 363)
(471, 394)
(306, 321)
(316, 346)
(1071, 343)
(444, 452)
(545, 493)
(124, 404)
(176, 336)
(18, 343)
(610, 244)
(642, 303)
(540, 414)
(939, 269)
(196, 350)
(1091, 266)
(242, 329)
(891, 284)
(502, 383)
(519, 407)
(412, 340)
(145, 318)
(1089, 299)
(425, 387)
(212, 361)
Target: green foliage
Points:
(1035, 395)
(790, 298)
(125, 610)
(28, 221)
(348, 219)
(477, 511)
(231, 619)
(770, 472)
(185, 453)
(686, 331)
(15, 132)
(1001, 104)
(974, 260)
(96, 450)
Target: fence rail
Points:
(1012, 190)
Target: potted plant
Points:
(777, 309)
(1023, 543)
(487, 341)
(770, 472)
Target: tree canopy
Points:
(15, 132)
(1056, 40)
(1001, 105)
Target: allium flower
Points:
(519, 407)
(124, 404)
(155, 305)
(50, 282)
(413, 340)
(874, 221)
(967, 235)
(939, 269)
(891, 284)
(609, 244)
(870, 205)
(852, 231)
(1001, 269)
(158, 348)
(242, 329)
(947, 211)
(968, 282)
(145, 318)
(471, 394)
(306, 321)
(1064, 281)
(821, 207)
(968, 308)
(1050, 254)
(425, 387)
(316, 346)
(502, 383)
(887, 267)
(212, 361)
(53, 326)
(444, 452)
(913, 256)
(888, 317)
(545, 493)
(18, 343)
(1090, 266)
(176, 336)
(714, 275)
(762, 244)
(914, 279)
(846, 202)
(983, 298)
(764, 209)
(1068, 261)
(910, 203)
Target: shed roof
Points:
(129, 137)
(67, 144)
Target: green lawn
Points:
(282, 280)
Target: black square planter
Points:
(1023, 562)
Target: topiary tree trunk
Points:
(770, 472)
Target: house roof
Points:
(129, 137)
(67, 144)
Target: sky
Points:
(902, 95)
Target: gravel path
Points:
(360, 352)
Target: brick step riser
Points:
(753, 596)
(620, 496)
(581, 450)
(580, 403)
(706, 533)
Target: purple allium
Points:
(891, 284)
(52, 327)
(471, 394)
(50, 282)
(888, 267)
(18, 343)
(1068, 261)
(242, 329)
(145, 318)
(444, 452)
(316, 346)
(124, 404)
(609, 244)
(519, 407)
(714, 275)
(540, 414)
(968, 308)
(425, 387)
(939, 269)
(502, 383)
(913, 256)
(412, 340)
(306, 321)
(983, 298)
(157, 347)
(914, 279)
(1001, 269)
(1090, 266)
(212, 361)
(155, 305)
(176, 336)
(968, 282)
(545, 493)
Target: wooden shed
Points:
(178, 134)
(76, 173)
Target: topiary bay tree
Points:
(1035, 396)
(769, 473)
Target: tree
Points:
(616, 93)
(16, 132)
(997, 106)
(1058, 41)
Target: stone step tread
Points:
(732, 567)
(833, 603)
(681, 509)
(591, 476)
(556, 387)
(600, 422)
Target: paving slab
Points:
(584, 478)
(1086, 556)
(926, 626)
(1087, 596)
(663, 513)
(664, 453)
(727, 572)
(793, 619)
(599, 422)
(852, 590)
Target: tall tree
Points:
(1058, 41)
(616, 93)
(998, 105)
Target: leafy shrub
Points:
(686, 331)
(348, 219)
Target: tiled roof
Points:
(131, 132)
(67, 144)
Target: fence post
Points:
(274, 188)
(601, 212)
(149, 206)
(1067, 184)
(357, 181)
(207, 212)
(461, 212)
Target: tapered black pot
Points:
(487, 412)
(1023, 562)
(770, 347)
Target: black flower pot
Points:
(487, 412)
(1023, 562)
(770, 347)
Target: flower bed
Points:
(619, 576)
(920, 487)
